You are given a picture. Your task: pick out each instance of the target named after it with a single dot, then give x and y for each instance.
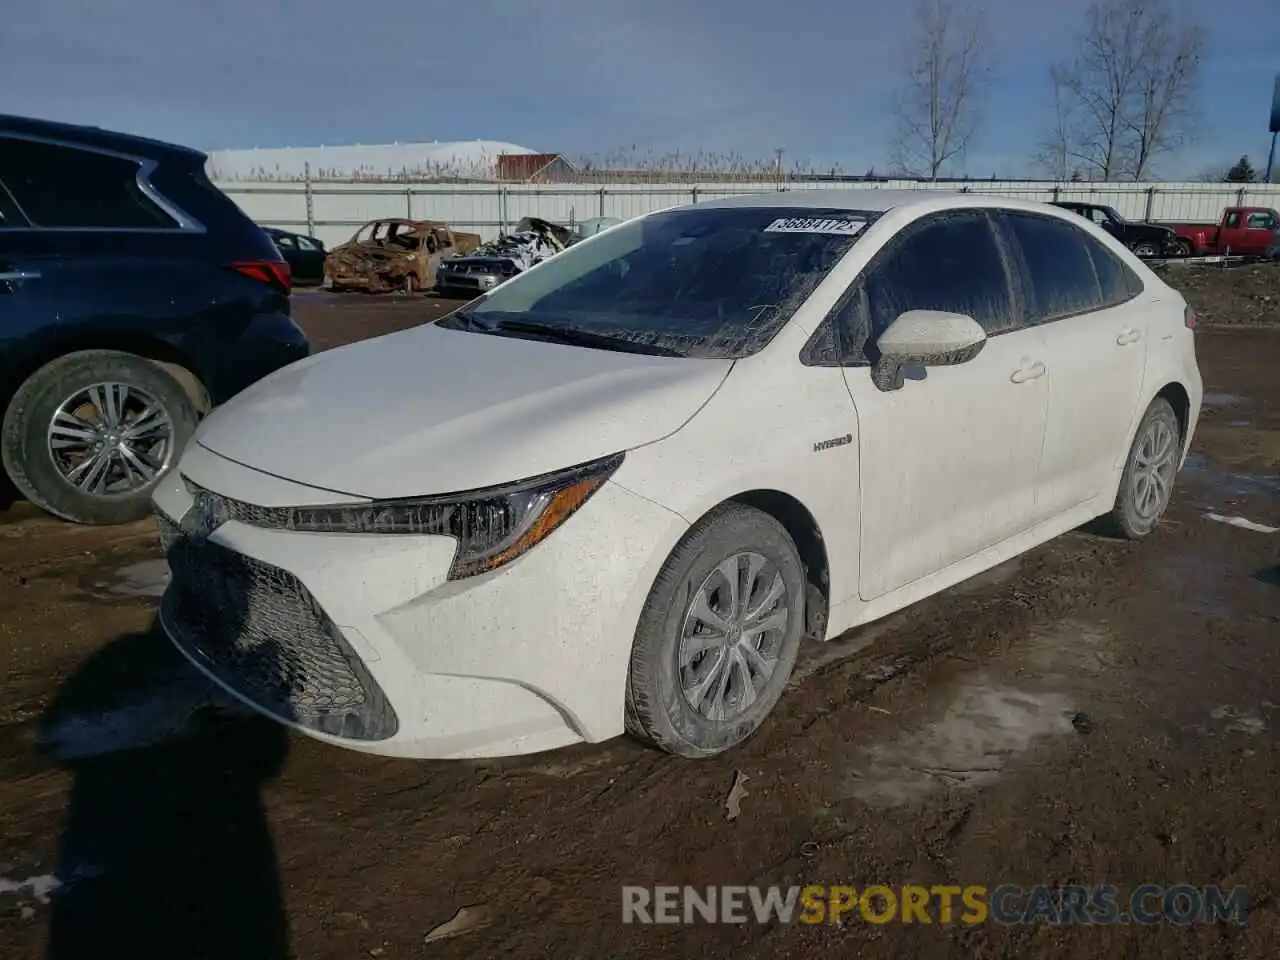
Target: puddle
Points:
(1216, 399)
(146, 579)
(984, 726)
(151, 719)
(1238, 721)
(985, 722)
(1237, 484)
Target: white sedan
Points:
(617, 492)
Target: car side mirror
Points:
(932, 338)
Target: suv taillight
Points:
(1189, 318)
(275, 273)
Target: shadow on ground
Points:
(166, 851)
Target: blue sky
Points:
(574, 76)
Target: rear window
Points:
(711, 282)
(59, 186)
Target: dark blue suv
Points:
(134, 296)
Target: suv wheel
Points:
(89, 436)
(1145, 248)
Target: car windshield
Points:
(716, 282)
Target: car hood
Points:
(432, 410)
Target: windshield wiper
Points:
(573, 337)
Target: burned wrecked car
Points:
(532, 241)
(394, 254)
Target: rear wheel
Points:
(718, 635)
(89, 436)
(1185, 248)
(1147, 482)
(1145, 248)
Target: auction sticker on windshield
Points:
(837, 226)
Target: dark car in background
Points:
(1147, 240)
(305, 255)
(134, 296)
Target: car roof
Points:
(98, 137)
(873, 200)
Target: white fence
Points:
(332, 210)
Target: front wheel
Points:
(90, 435)
(1147, 482)
(718, 635)
(1146, 249)
(1185, 248)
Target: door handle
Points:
(1033, 371)
(1128, 336)
(13, 276)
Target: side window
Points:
(951, 263)
(62, 186)
(1233, 220)
(1098, 215)
(305, 244)
(1059, 266)
(1261, 221)
(284, 241)
(1118, 282)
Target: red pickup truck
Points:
(1243, 231)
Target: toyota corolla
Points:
(618, 492)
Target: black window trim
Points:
(146, 166)
(1019, 264)
(828, 331)
(7, 197)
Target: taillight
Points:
(1189, 318)
(275, 273)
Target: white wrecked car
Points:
(617, 491)
(493, 263)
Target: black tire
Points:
(657, 708)
(24, 435)
(1185, 248)
(1129, 518)
(1145, 249)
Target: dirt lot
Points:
(1096, 712)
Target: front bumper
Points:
(361, 640)
(468, 284)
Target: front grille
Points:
(259, 630)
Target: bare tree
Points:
(1128, 96)
(1054, 154)
(937, 108)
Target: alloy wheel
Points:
(111, 438)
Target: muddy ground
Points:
(1095, 712)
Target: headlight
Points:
(492, 526)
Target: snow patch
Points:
(1242, 523)
(146, 579)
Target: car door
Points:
(1081, 297)
(1255, 238)
(28, 304)
(947, 463)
